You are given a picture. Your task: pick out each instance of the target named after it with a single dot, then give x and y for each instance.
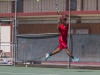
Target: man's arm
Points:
(58, 25)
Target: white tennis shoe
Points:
(75, 59)
(47, 56)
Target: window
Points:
(97, 6)
(82, 31)
(19, 6)
(5, 22)
(73, 5)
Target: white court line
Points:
(26, 73)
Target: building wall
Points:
(37, 28)
(43, 5)
(94, 28)
(48, 5)
(79, 5)
(87, 5)
(5, 6)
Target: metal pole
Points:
(15, 31)
(0, 36)
(13, 41)
(69, 32)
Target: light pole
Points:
(15, 32)
(69, 31)
(0, 35)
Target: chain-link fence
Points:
(85, 41)
(6, 54)
(33, 44)
(35, 34)
(84, 38)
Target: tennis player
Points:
(63, 34)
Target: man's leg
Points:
(52, 53)
(55, 51)
(74, 58)
(69, 53)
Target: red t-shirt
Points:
(63, 30)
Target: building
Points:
(85, 15)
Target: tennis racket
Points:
(57, 9)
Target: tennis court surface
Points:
(11, 70)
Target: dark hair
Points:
(63, 18)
